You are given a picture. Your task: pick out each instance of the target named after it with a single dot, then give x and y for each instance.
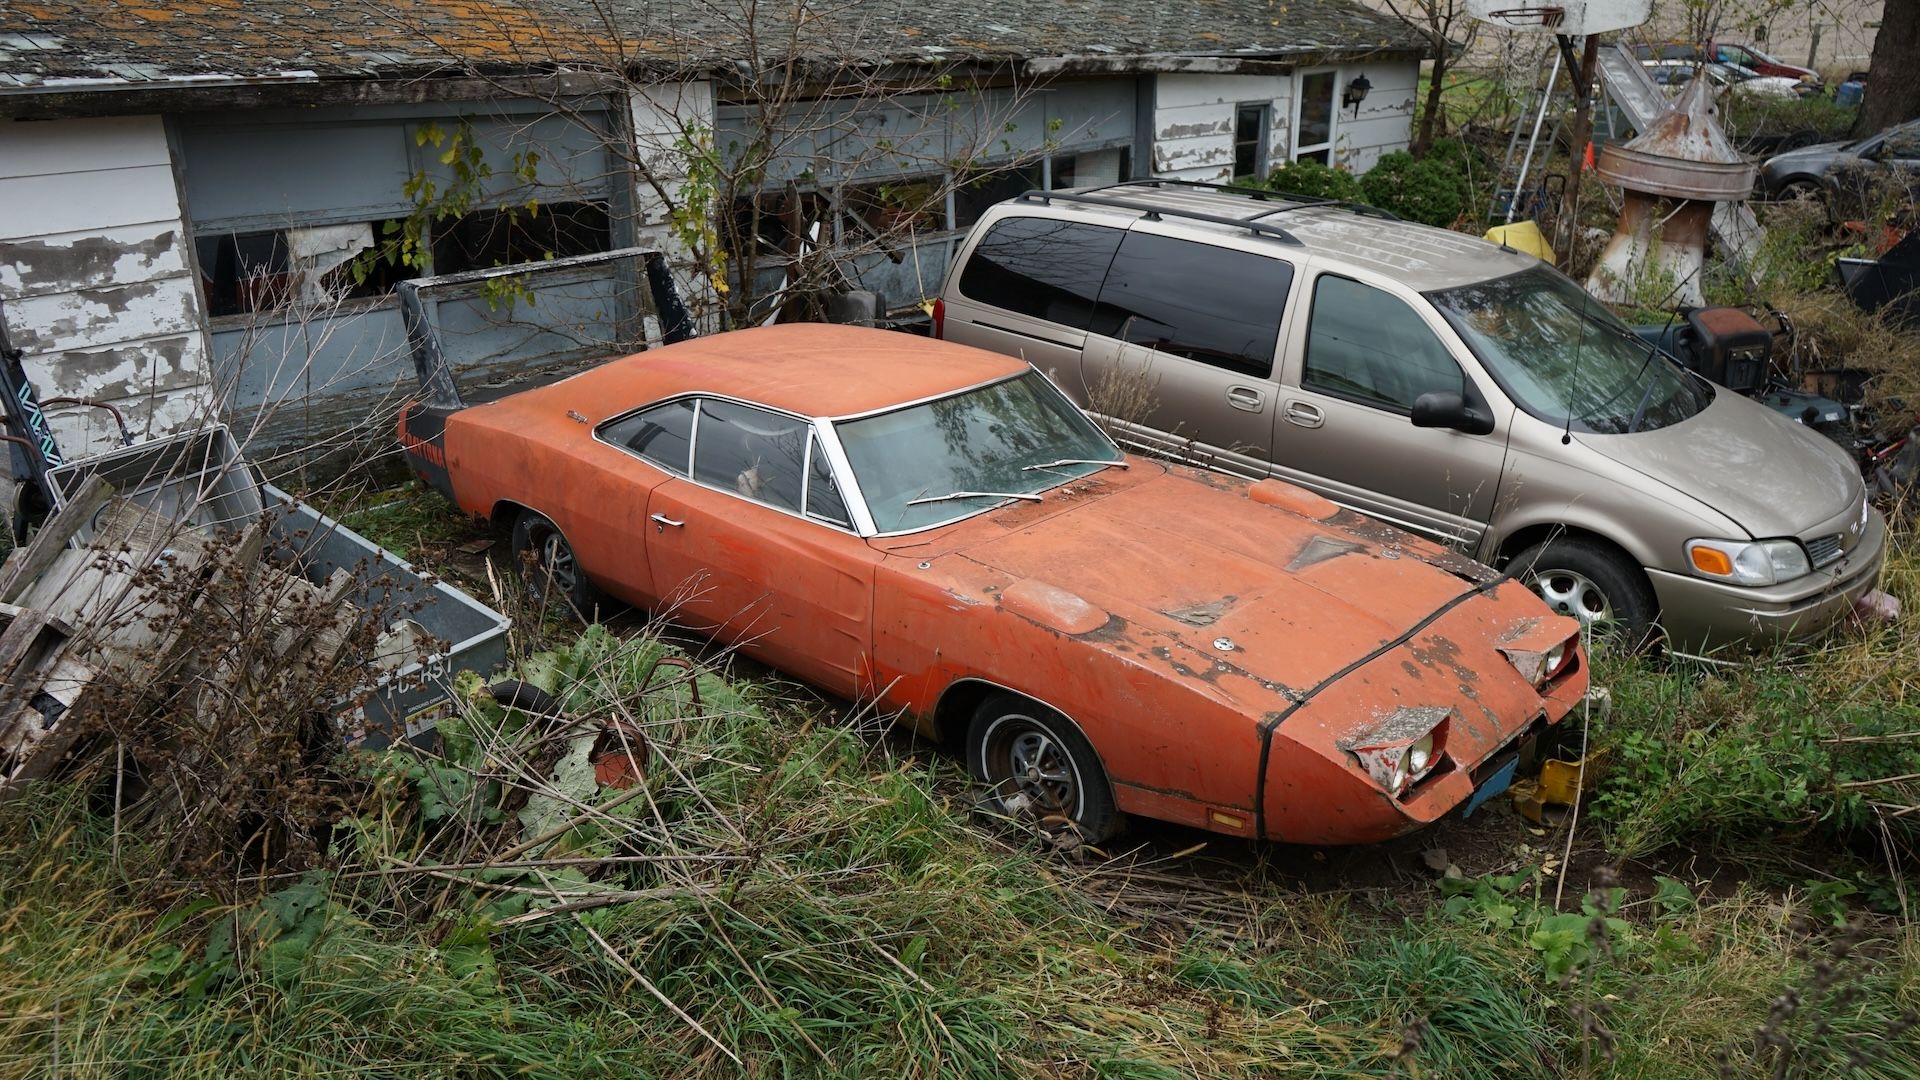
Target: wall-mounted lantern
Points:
(1356, 93)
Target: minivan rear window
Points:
(1041, 267)
(1212, 304)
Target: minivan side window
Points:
(1369, 346)
(1041, 267)
(1215, 305)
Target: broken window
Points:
(974, 194)
(516, 234)
(251, 272)
(1092, 168)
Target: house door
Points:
(1313, 118)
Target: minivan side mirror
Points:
(1449, 409)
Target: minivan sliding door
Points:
(1180, 355)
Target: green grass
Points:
(837, 912)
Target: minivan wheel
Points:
(1038, 767)
(1590, 582)
(547, 564)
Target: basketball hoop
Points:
(1547, 17)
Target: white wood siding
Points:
(95, 277)
(1193, 118)
(1385, 123)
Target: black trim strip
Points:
(1267, 727)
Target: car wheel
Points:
(1798, 189)
(549, 568)
(1590, 582)
(1038, 766)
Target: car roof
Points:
(807, 368)
(1422, 256)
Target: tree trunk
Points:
(1893, 93)
(1430, 112)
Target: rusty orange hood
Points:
(1217, 581)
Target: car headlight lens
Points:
(1761, 562)
(1395, 766)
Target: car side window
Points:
(662, 434)
(1043, 268)
(1369, 346)
(823, 495)
(751, 452)
(1215, 305)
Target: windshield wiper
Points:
(1075, 461)
(951, 495)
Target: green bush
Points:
(1314, 180)
(1429, 191)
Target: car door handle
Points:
(1245, 397)
(661, 521)
(1299, 412)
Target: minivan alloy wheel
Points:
(1570, 593)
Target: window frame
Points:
(1295, 149)
(1262, 138)
(820, 430)
(1310, 297)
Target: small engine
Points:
(1727, 345)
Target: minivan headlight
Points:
(1760, 562)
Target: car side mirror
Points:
(1449, 409)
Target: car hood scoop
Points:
(1773, 477)
(1245, 587)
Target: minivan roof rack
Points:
(1155, 213)
(1300, 202)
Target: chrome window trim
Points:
(871, 529)
(698, 397)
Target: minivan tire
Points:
(1591, 581)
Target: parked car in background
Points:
(1846, 169)
(1726, 78)
(937, 530)
(1434, 380)
(1726, 52)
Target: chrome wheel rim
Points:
(1571, 593)
(1031, 772)
(556, 569)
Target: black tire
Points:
(547, 565)
(1593, 582)
(1064, 780)
(1801, 188)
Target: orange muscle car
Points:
(937, 529)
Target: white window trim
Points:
(1333, 116)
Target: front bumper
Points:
(1700, 615)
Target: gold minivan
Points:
(1456, 388)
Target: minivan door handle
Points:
(1299, 412)
(1246, 397)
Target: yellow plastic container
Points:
(1523, 236)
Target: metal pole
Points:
(1526, 163)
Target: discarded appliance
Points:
(1889, 285)
(1672, 175)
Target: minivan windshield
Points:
(961, 455)
(1557, 351)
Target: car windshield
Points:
(1558, 352)
(961, 455)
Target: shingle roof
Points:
(46, 44)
